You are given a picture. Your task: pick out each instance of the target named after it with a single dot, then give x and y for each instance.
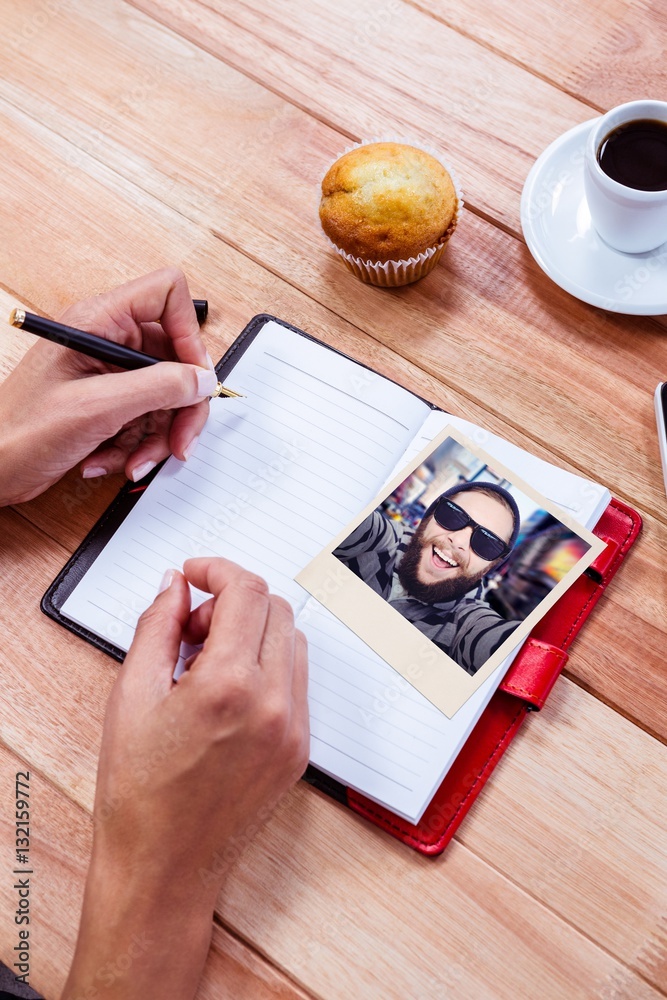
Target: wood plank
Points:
(490, 116)
(581, 788)
(243, 974)
(434, 98)
(611, 826)
(476, 944)
(13, 343)
(625, 631)
(489, 322)
(544, 386)
(487, 115)
(50, 680)
(602, 52)
(60, 846)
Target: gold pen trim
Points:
(220, 390)
(17, 317)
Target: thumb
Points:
(154, 652)
(108, 402)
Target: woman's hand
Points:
(59, 408)
(188, 773)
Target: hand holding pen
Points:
(59, 407)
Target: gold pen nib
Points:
(220, 390)
(17, 317)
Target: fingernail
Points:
(189, 451)
(92, 471)
(207, 382)
(210, 361)
(142, 471)
(166, 581)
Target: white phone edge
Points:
(660, 417)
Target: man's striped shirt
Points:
(468, 630)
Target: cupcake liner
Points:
(394, 273)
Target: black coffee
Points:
(635, 154)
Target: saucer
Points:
(560, 235)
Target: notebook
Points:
(274, 477)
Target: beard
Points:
(451, 589)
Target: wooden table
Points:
(141, 133)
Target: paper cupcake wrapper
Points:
(393, 273)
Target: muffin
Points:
(389, 210)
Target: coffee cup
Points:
(625, 176)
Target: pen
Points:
(201, 308)
(97, 347)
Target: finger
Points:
(177, 436)
(154, 652)
(105, 403)
(276, 655)
(186, 427)
(211, 574)
(239, 614)
(199, 624)
(300, 674)
(106, 461)
(160, 297)
(148, 441)
(154, 446)
(112, 455)
(300, 717)
(159, 345)
(164, 297)
(156, 342)
(141, 441)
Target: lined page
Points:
(370, 728)
(274, 477)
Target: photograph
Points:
(459, 558)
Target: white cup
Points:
(629, 220)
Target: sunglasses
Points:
(483, 542)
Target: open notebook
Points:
(274, 477)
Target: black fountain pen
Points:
(97, 347)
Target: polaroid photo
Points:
(450, 568)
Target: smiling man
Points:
(428, 574)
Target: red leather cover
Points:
(525, 687)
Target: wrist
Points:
(7, 466)
(19, 456)
(141, 934)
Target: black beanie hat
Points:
(489, 488)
